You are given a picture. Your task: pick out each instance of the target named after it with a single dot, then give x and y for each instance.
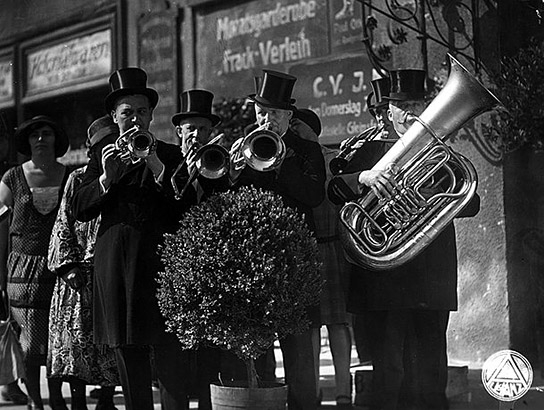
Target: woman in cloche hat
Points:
(72, 355)
(33, 191)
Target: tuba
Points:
(433, 183)
(136, 143)
(262, 150)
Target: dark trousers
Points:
(205, 368)
(298, 364)
(409, 359)
(171, 366)
(360, 337)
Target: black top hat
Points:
(310, 118)
(23, 131)
(129, 81)
(407, 85)
(275, 90)
(380, 90)
(258, 80)
(196, 103)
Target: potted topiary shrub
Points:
(239, 273)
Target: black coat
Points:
(429, 281)
(300, 180)
(135, 213)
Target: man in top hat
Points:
(300, 181)
(137, 206)
(406, 309)
(194, 125)
(372, 143)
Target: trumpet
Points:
(262, 150)
(136, 143)
(212, 161)
(339, 163)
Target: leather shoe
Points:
(95, 393)
(58, 404)
(12, 392)
(104, 406)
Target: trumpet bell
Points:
(338, 164)
(212, 161)
(263, 150)
(140, 144)
(137, 142)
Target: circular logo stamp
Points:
(507, 375)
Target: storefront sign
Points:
(6, 81)
(157, 56)
(346, 25)
(235, 42)
(336, 91)
(69, 63)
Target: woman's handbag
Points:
(11, 354)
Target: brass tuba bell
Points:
(386, 233)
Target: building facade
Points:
(56, 57)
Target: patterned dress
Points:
(30, 284)
(71, 348)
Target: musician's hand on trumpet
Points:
(237, 160)
(155, 165)
(353, 143)
(262, 149)
(209, 160)
(113, 165)
(136, 144)
(189, 149)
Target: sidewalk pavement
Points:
(465, 389)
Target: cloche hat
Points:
(99, 129)
(23, 131)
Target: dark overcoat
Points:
(429, 281)
(135, 213)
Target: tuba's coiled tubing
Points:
(433, 183)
